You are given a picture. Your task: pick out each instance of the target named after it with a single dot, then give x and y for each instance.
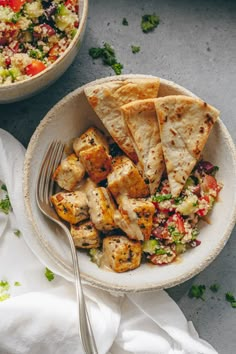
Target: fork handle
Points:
(86, 332)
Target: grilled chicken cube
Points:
(96, 162)
(101, 209)
(69, 172)
(71, 206)
(126, 179)
(121, 254)
(136, 217)
(85, 235)
(92, 137)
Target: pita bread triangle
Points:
(185, 124)
(141, 119)
(107, 98)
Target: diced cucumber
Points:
(150, 246)
(189, 205)
(14, 72)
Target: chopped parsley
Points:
(117, 67)
(195, 233)
(178, 200)
(17, 283)
(135, 49)
(5, 205)
(214, 287)
(231, 299)
(197, 291)
(17, 233)
(149, 22)
(4, 296)
(49, 274)
(125, 22)
(108, 56)
(4, 287)
(161, 198)
(4, 187)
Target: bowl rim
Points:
(87, 278)
(73, 43)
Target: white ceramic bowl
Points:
(68, 119)
(20, 90)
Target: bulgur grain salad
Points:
(33, 34)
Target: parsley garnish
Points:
(230, 298)
(5, 204)
(17, 233)
(149, 22)
(195, 233)
(161, 197)
(125, 22)
(49, 274)
(214, 288)
(197, 291)
(117, 67)
(108, 56)
(4, 287)
(135, 49)
(178, 200)
(4, 187)
(17, 283)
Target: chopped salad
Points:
(175, 222)
(33, 34)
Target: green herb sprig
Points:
(149, 22)
(108, 56)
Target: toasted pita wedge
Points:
(185, 124)
(141, 119)
(107, 98)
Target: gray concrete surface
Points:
(194, 45)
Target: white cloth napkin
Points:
(41, 316)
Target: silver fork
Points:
(44, 191)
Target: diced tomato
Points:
(8, 62)
(209, 182)
(72, 4)
(54, 53)
(14, 4)
(4, 2)
(34, 68)
(204, 211)
(179, 222)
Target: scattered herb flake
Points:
(108, 56)
(229, 297)
(17, 283)
(135, 49)
(49, 274)
(4, 285)
(214, 288)
(4, 187)
(4, 297)
(5, 205)
(117, 67)
(17, 233)
(161, 197)
(149, 22)
(197, 291)
(125, 22)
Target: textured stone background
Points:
(194, 45)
